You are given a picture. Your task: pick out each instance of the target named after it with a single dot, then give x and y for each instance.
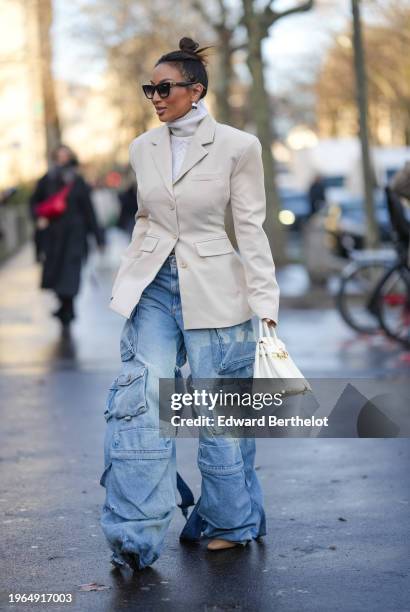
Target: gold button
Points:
(174, 236)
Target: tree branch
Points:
(222, 8)
(240, 47)
(270, 16)
(198, 6)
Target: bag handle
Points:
(267, 330)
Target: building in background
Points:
(22, 140)
(90, 123)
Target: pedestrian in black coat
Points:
(61, 243)
(129, 207)
(317, 194)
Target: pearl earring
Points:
(194, 105)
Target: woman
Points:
(61, 242)
(187, 296)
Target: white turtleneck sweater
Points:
(182, 130)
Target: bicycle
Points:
(355, 295)
(391, 299)
(374, 291)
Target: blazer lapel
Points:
(196, 151)
(162, 153)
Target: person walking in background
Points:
(62, 240)
(317, 194)
(400, 183)
(400, 186)
(129, 208)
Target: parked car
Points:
(295, 208)
(345, 222)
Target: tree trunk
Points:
(407, 126)
(44, 12)
(372, 237)
(261, 112)
(225, 76)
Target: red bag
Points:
(55, 205)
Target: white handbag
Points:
(272, 360)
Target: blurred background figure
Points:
(62, 242)
(400, 186)
(400, 183)
(129, 207)
(5, 195)
(317, 194)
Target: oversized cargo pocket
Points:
(142, 476)
(233, 348)
(143, 443)
(225, 499)
(126, 396)
(220, 457)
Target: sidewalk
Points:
(318, 340)
(337, 510)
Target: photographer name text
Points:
(260, 421)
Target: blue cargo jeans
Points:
(140, 476)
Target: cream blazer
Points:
(219, 287)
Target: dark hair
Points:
(73, 157)
(190, 60)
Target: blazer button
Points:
(174, 236)
(171, 207)
(183, 265)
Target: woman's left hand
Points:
(270, 322)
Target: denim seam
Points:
(135, 328)
(221, 471)
(242, 360)
(126, 350)
(139, 451)
(137, 455)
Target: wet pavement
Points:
(337, 510)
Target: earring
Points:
(194, 105)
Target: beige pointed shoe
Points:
(218, 544)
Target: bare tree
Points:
(130, 35)
(258, 24)
(225, 28)
(44, 14)
(361, 92)
(388, 82)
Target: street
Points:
(337, 509)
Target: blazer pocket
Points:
(149, 243)
(214, 246)
(206, 176)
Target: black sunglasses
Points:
(164, 89)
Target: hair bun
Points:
(187, 44)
